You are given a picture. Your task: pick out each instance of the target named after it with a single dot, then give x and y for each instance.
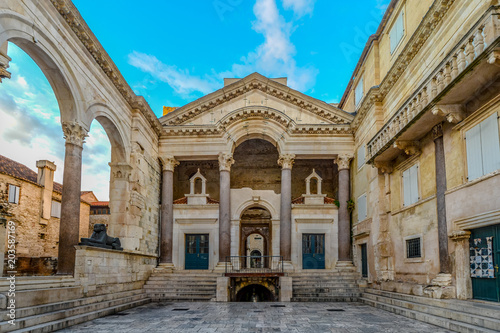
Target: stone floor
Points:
(254, 317)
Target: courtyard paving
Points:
(254, 317)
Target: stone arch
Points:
(28, 36)
(251, 204)
(255, 290)
(117, 135)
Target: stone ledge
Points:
(125, 252)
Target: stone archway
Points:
(256, 234)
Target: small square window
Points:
(413, 249)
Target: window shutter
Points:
(16, 189)
(406, 188)
(361, 156)
(490, 144)
(362, 208)
(12, 193)
(56, 209)
(414, 183)
(474, 158)
(358, 92)
(397, 32)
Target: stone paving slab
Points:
(213, 317)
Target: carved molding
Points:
(74, 133)
(459, 235)
(343, 161)
(494, 57)
(168, 163)
(454, 113)
(437, 131)
(225, 162)
(409, 147)
(4, 64)
(71, 15)
(120, 171)
(286, 161)
(384, 167)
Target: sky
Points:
(173, 52)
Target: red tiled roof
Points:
(211, 201)
(184, 201)
(100, 203)
(300, 201)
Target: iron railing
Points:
(254, 264)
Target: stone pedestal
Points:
(286, 289)
(462, 267)
(69, 227)
(223, 289)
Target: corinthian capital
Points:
(169, 163)
(74, 133)
(286, 161)
(343, 160)
(225, 162)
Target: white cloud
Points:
(180, 80)
(273, 58)
(300, 7)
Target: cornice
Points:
(77, 24)
(256, 81)
(376, 94)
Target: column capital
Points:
(169, 163)
(74, 133)
(120, 171)
(437, 131)
(459, 235)
(343, 160)
(225, 162)
(286, 161)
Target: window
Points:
(483, 148)
(361, 156)
(358, 92)
(413, 249)
(397, 32)
(14, 194)
(362, 207)
(410, 186)
(56, 209)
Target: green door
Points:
(364, 261)
(313, 251)
(196, 251)
(484, 261)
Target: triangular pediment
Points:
(252, 91)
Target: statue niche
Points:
(101, 239)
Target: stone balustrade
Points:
(484, 33)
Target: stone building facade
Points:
(410, 155)
(33, 201)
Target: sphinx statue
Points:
(100, 238)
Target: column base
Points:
(440, 287)
(165, 267)
(345, 266)
(288, 267)
(221, 267)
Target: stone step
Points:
(461, 314)
(319, 293)
(41, 309)
(41, 282)
(56, 316)
(429, 318)
(33, 297)
(324, 284)
(81, 318)
(473, 307)
(347, 298)
(181, 292)
(178, 298)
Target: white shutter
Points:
(361, 156)
(12, 193)
(474, 159)
(358, 92)
(414, 184)
(406, 188)
(17, 194)
(490, 144)
(56, 209)
(397, 32)
(362, 213)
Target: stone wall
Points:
(102, 271)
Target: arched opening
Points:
(256, 166)
(32, 104)
(255, 293)
(314, 185)
(255, 237)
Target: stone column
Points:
(343, 161)
(444, 261)
(69, 226)
(225, 162)
(462, 265)
(167, 209)
(286, 163)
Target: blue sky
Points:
(173, 52)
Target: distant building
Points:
(33, 201)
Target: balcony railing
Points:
(254, 265)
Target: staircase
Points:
(73, 310)
(337, 286)
(195, 286)
(452, 314)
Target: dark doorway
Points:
(364, 261)
(255, 293)
(196, 251)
